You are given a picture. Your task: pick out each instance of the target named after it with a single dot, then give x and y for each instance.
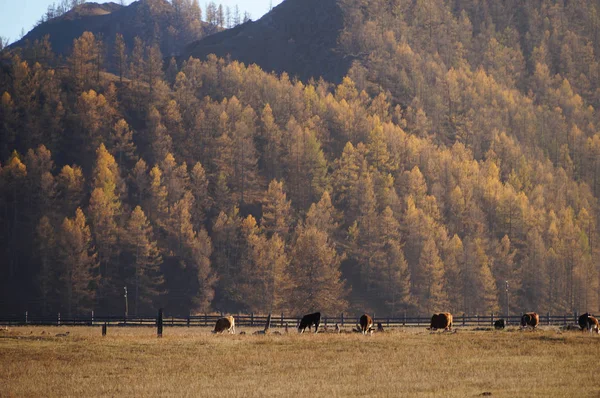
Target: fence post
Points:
(58, 321)
(104, 329)
(205, 319)
(492, 319)
(342, 319)
(92, 319)
(281, 324)
(159, 323)
(188, 321)
(404, 321)
(252, 319)
(564, 320)
(548, 317)
(26, 317)
(463, 322)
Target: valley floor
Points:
(34, 362)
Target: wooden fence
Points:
(252, 320)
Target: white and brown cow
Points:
(226, 324)
(592, 324)
(443, 320)
(366, 324)
(530, 319)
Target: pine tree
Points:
(79, 265)
(70, 187)
(120, 56)
(245, 161)
(229, 245)
(453, 266)
(154, 67)
(315, 272)
(147, 278)
(82, 60)
(264, 283)
(199, 188)
(271, 144)
(390, 269)
(323, 215)
(122, 146)
(431, 292)
(95, 119)
(276, 211)
(158, 198)
(46, 279)
(345, 175)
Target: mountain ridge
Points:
(149, 19)
(296, 37)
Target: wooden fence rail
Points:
(253, 320)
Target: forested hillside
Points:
(460, 154)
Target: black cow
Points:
(583, 321)
(499, 324)
(309, 320)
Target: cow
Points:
(592, 324)
(499, 324)
(309, 320)
(366, 323)
(225, 324)
(530, 319)
(442, 320)
(583, 320)
(379, 327)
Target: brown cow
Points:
(225, 324)
(592, 324)
(530, 319)
(442, 320)
(366, 323)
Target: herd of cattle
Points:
(442, 320)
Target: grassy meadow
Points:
(34, 362)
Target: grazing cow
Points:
(442, 320)
(225, 324)
(592, 324)
(309, 320)
(530, 319)
(583, 320)
(499, 324)
(366, 323)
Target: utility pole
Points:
(507, 302)
(126, 303)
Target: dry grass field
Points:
(34, 362)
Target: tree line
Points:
(211, 185)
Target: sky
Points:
(22, 14)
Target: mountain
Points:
(299, 37)
(149, 19)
